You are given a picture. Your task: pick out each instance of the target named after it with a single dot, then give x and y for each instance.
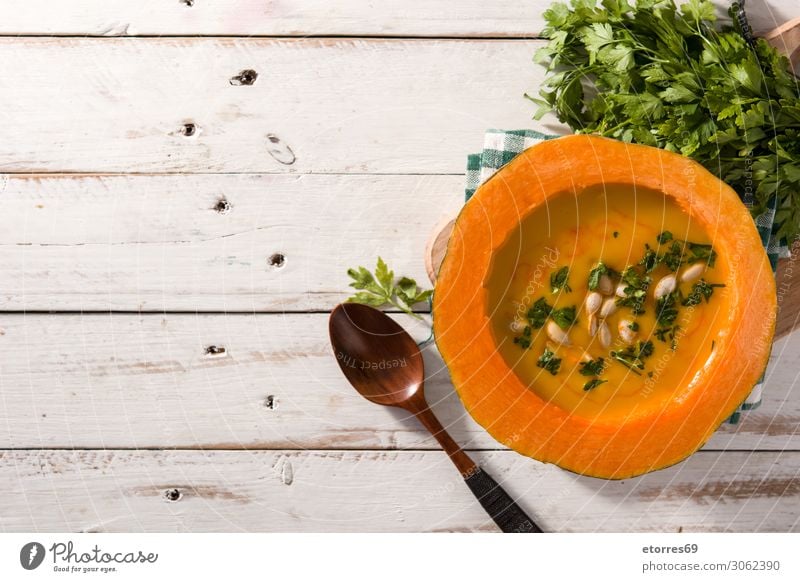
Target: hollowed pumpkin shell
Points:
(509, 409)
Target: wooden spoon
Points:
(384, 364)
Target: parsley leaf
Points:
(702, 253)
(592, 367)
(701, 290)
(673, 258)
(595, 274)
(380, 289)
(558, 280)
(635, 289)
(564, 317)
(665, 333)
(666, 309)
(549, 362)
(524, 340)
(539, 312)
(593, 383)
(664, 237)
(650, 260)
(634, 356)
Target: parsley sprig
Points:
(673, 79)
(381, 288)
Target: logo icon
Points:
(31, 555)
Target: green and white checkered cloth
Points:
(500, 147)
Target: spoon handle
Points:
(508, 516)
(505, 512)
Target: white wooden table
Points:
(145, 200)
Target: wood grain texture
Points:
(467, 18)
(289, 491)
(318, 105)
(787, 281)
(130, 381)
(159, 243)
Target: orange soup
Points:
(607, 303)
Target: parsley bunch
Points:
(655, 75)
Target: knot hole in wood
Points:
(189, 129)
(277, 260)
(172, 495)
(215, 351)
(246, 77)
(222, 206)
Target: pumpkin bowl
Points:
(604, 306)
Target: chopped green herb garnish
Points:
(593, 383)
(633, 356)
(635, 290)
(633, 326)
(664, 333)
(549, 362)
(701, 290)
(524, 340)
(664, 237)
(700, 252)
(564, 317)
(595, 274)
(666, 309)
(558, 280)
(650, 259)
(634, 280)
(646, 349)
(592, 367)
(539, 312)
(616, 233)
(673, 258)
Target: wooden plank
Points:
(288, 491)
(788, 291)
(317, 105)
(200, 243)
(255, 17)
(469, 18)
(129, 381)
(161, 243)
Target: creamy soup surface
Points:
(636, 340)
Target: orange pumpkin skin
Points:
(510, 411)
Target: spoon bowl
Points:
(378, 357)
